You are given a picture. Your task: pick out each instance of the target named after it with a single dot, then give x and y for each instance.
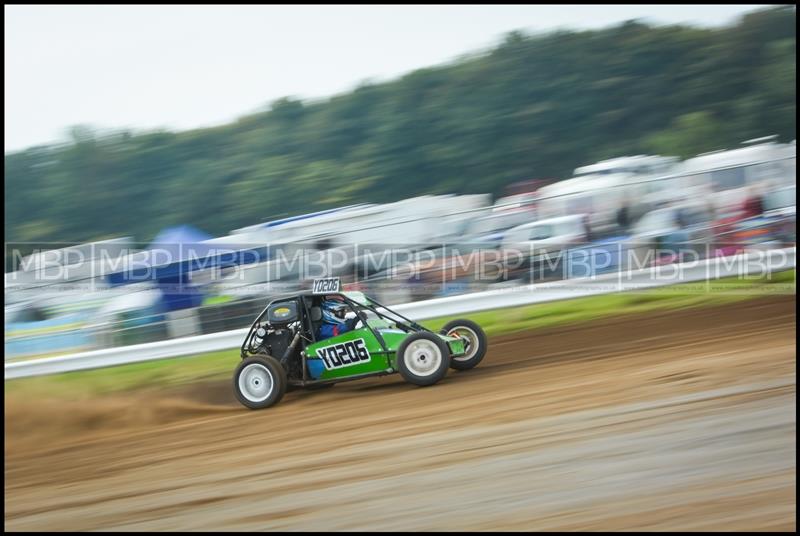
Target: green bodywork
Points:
(382, 357)
(367, 351)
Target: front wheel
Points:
(475, 340)
(423, 358)
(259, 382)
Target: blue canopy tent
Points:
(177, 252)
(181, 240)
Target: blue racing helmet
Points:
(333, 312)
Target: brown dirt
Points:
(680, 420)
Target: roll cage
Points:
(308, 332)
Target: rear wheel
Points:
(475, 340)
(423, 358)
(259, 382)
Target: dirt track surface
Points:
(682, 420)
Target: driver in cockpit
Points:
(333, 319)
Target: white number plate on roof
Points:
(326, 285)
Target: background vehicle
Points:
(780, 210)
(490, 229)
(672, 233)
(540, 244)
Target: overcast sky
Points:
(182, 67)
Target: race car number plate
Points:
(326, 285)
(344, 354)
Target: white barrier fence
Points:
(754, 263)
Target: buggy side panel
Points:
(393, 338)
(350, 354)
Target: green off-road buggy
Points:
(281, 348)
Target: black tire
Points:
(477, 335)
(425, 363)
(259, 369)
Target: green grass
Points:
(496, 322)
(220, 365)
(216, 300)
(154, 374)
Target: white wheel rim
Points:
(471, 336)
(423, 357)
(255, 382)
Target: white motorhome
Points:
(411, 223)
(422, 219)
(600, 190)
(643, 183)
(640, 164)
(760, 166)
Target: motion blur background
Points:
(168, 170)
(406, 180)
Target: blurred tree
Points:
(534, 106)
(688, 135)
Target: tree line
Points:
(533, 106)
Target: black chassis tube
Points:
(244, 348)
(411, 324)
(306, 315)
(408, 323)
(353, 305)
(303, 383)
(249, 336)
(305, 343)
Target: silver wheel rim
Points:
(255, 382)
(423, 357)
(472, 338)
